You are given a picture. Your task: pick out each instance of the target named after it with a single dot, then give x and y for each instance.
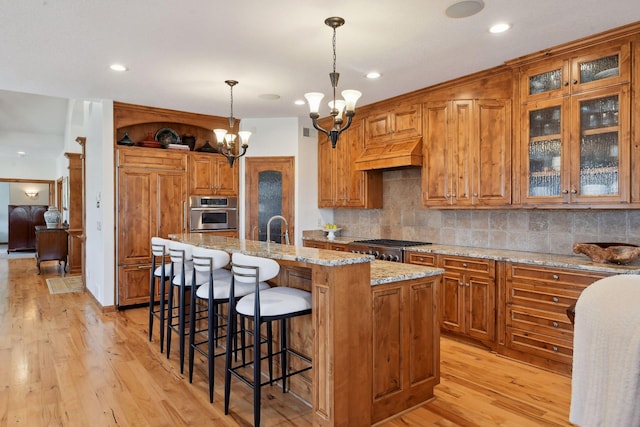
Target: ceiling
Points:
(180, 53)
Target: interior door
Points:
(270, 190)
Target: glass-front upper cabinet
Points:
(601, 152)
(552, 78)
(577, 148)
(546, 156)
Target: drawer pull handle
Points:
(555, 299)
(555, 348)
(556, 277)
(555, 324)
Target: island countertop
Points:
(381, 271)
(272, 250)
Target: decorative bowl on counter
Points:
(617, 253)
(331, 232)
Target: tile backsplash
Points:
(547, 231)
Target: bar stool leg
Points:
(169, 318)
(283, 353)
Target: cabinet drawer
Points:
(475, 265)
(554, 324)
(554, 299)
(430, 260)
(568, 277)
(152, 158)
(552, 348)
(314, 244)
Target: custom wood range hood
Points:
(393, 154)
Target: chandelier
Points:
(338, 107)
(227, 139)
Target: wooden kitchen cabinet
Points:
(467, 153)
(388, 124)
(151, 197)
(584, 70)
(405, 360)
(210, 174)
(537, 328)
(467, 294)
(576, 127)
(467, 297)
(339, 183)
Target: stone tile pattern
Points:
(548, 231)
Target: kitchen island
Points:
(373, 332)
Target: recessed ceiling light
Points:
(374, 75)
(299, 102)
(118, 67)
(499, 28)
(269, 96)
(22, 153)
(464, 9)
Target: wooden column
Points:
(342, 360)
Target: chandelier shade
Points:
(337, 107)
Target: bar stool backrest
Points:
(206, 260)
(181, 256)
(246, 267)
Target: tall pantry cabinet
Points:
(152, 188)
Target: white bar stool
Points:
(213, 287)
(262, 306)
(160, 270)
(181, 271)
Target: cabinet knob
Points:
(460, 284)
(467, 285)
(574, 191)
(565, 191)
(555, 348)
(565, 83)
(464, 264)
(556, 277)
(574, 81)
(555, 299)
(555, 324)
(421, 259)
(475, 194)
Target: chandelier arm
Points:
(314, 121)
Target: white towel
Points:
(605, 386)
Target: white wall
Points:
(284, 137)
(100, 225)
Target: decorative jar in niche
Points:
(52, 217)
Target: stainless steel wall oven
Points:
(211, 213)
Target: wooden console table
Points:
(51, 245)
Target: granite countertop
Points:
(272, 250)
(580, 262)
(381, 271)
(389, 272)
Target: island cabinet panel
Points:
(405, 360)
(151, 202)
(537, 328)
(342, 298)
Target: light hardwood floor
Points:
(64, 363)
